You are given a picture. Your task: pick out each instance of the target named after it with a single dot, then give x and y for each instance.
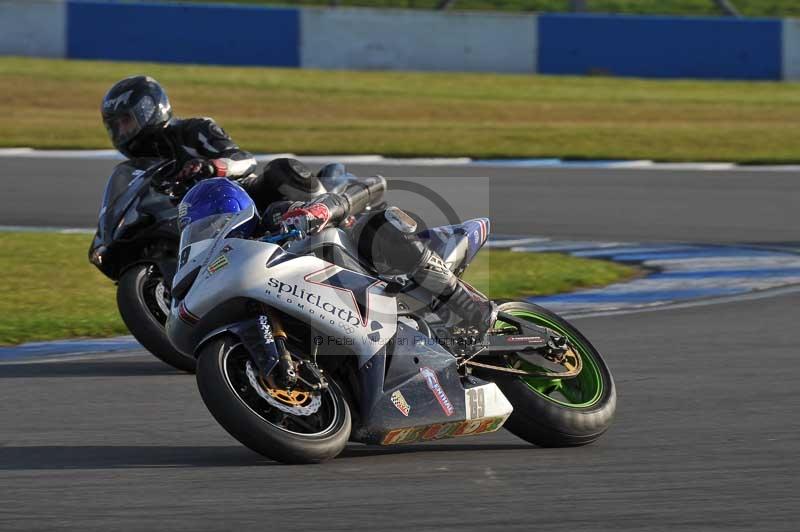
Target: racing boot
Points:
(388, 240)
(475, 309)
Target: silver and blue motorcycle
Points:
(302, 348)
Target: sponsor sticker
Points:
(440, 431)
(400, 403)
(114, 103)
(266, 330)
(433, 383)
(526, 339)
(217, 264)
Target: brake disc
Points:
(296, 402)
(161, 297)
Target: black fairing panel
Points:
(133, 217)
(126, 183)
(401, 369)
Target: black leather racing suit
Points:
(192, 138)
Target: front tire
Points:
(230, 397)
(138, 302)
(559, 412)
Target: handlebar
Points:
(280, 238)
(354, 200)
(362, 194)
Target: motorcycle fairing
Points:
(340, 304)
(420, 395)
(128, 205)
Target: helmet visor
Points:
(124, 126)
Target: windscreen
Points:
(198, 240)
(123, 185)
(213, 209)
(206, 229)
(123, 177)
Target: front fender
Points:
(216, 333)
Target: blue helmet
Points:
(211, 204)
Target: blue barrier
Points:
(660, 47)
(227, 34)
(186, 33)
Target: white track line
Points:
(435, 161)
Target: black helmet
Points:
(133, 108)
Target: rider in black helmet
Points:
(138, 117)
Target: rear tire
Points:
(557, 422)
(245, 417)
(135, 300)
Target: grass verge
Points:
(504, 274)
(54, 104)
(48, 289)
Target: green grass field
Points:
(48, 289)
(55, 104)
(749, 8)
(504, 274)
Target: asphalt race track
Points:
(707, 435)
(627, 204)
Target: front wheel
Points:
(144, 305)
(290, 426)
(556, 412)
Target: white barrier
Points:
(33, 28)
(791, 49)
(389, 39)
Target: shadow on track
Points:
(85, 368)
(125, 456)
(43, 457)
(366, 451)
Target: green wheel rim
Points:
(581, 391)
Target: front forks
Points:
(286, 372)
(274, 360)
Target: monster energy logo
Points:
(218, 263)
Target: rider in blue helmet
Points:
(389, 241)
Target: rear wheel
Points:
(144, 304)
(290, 426)
(556, 412)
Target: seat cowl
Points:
(458, 244)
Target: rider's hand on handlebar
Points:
(192, 171)
(196, 169)
(308, 219)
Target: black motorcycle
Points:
(136, 246)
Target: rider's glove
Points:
(194, 170)
(197, 169)
(309, 219)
